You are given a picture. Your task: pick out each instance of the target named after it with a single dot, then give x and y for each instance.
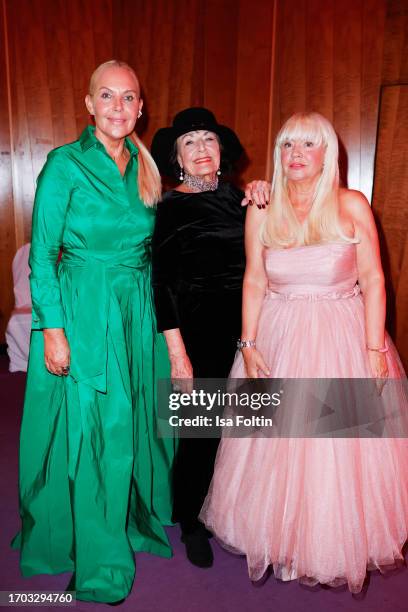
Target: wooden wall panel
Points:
(253, 84)
(7, 221)
(59, 73)
(329, 56)
(205, 58)
(390, 206)
(87, 45)
(102, 31)
(52, 46)
(221, 41)
(373, 27)
(152, 57)
(182, 86)
(319, 74)
(291, 57)
(32, 122)
(395, 63)
(347, 84)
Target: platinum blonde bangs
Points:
(301, 127)
(281, 228)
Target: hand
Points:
(257, 192)
(254, 362)
(56, 352)
(379, 368)
(181, 372)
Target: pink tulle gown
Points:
(317, 510)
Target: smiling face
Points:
(115, 103)
(302, 159)
(198, 153)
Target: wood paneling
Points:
(329, 56)
(52, 48)
(320, 29)
(221, 41)
(391, 209)
(372, 39)
(7, 221)
(347, 83)
(253, 63)
(395, 63)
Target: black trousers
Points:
(210, 326)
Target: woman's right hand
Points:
(56, 352)
(254, 362)
(181, 366)
(181, 372)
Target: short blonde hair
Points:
(149, 180)
(281, 227)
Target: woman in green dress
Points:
(94, 478)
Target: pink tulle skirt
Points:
(317, 510)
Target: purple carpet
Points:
(174, 585)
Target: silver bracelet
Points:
(245, 344)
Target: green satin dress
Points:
(95, 481)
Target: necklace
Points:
(197, 184)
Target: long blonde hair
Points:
(281, 227)
(148, 178)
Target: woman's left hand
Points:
(258, 193)
(378, 364)
(379, 368)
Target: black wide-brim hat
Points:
(190, 120)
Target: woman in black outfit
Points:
(198, 267)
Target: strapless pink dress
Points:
(317, 510)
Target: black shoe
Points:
(71, 584)
(198, 548)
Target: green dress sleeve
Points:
(50, 208)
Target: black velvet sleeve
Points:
(165, 261)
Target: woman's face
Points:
(302, 159)
(198, 153)
(115, 102)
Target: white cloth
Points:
(19, 326)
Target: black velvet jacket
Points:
(198, 246)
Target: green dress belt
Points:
(87, 330)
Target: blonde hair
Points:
(281, 227)
(148, 178)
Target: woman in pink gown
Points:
(321, 510)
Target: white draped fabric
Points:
(19, 326)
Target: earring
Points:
(218, 172)
(139, 114)
(181, 177)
